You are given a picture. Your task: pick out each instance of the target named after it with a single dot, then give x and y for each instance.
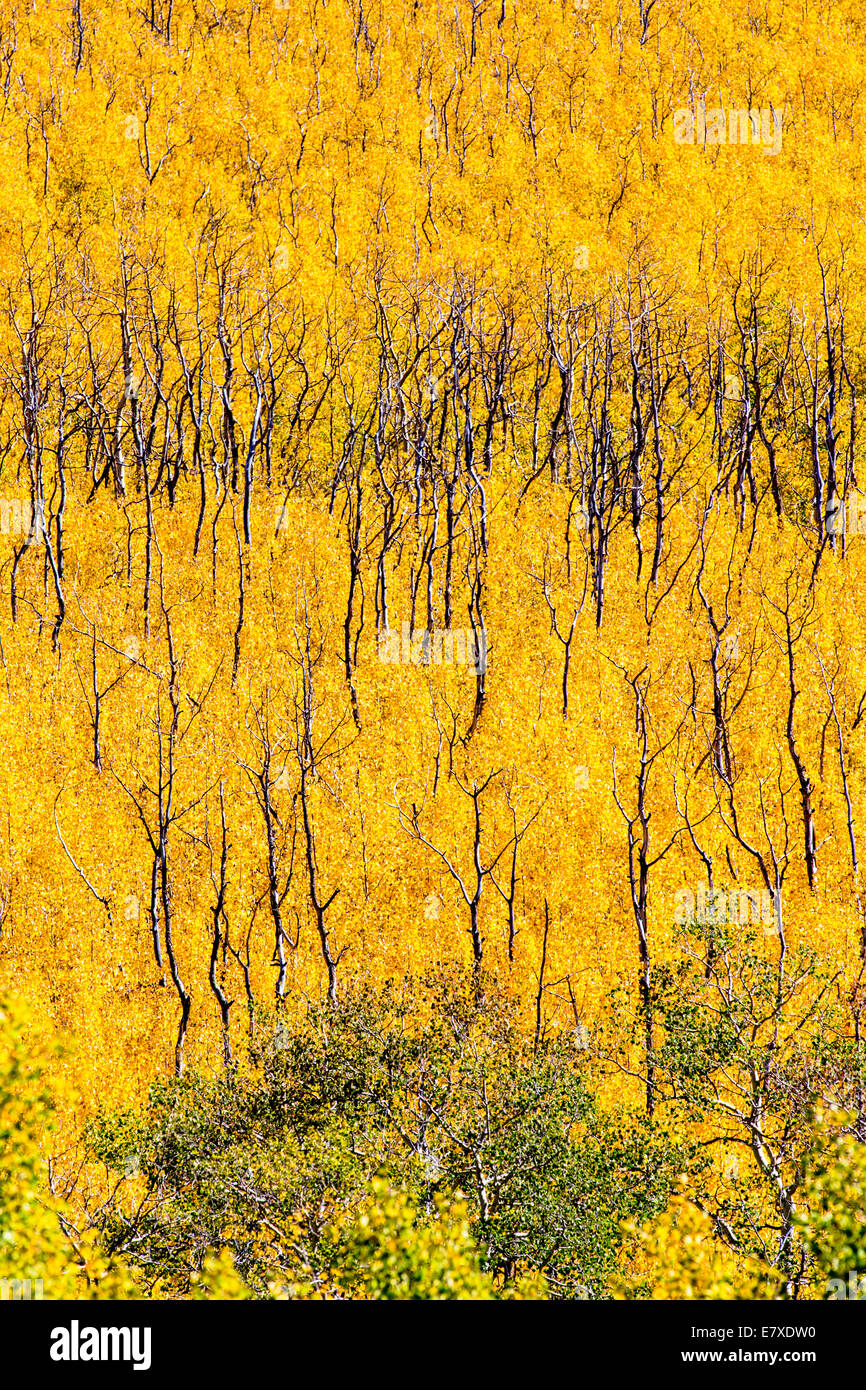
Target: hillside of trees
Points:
(432, 648)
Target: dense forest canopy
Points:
(432, 568)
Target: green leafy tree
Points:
(833, 1221)
(429, 1090)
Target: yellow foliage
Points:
(683, 1258)
(430, 535)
